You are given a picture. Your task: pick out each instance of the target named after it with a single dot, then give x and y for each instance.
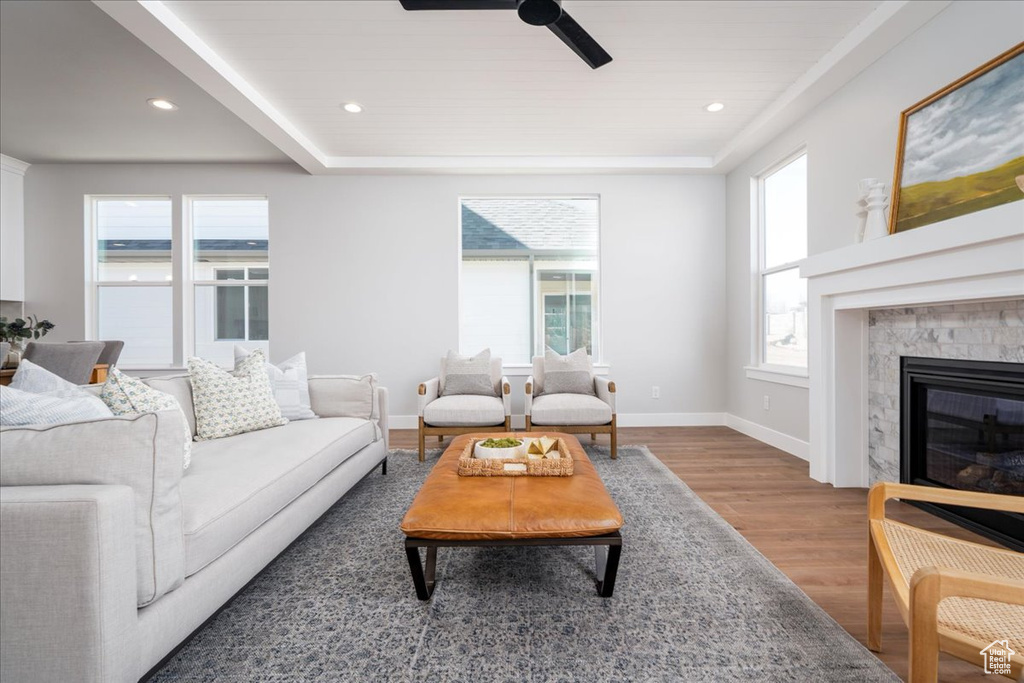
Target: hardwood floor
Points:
(814, 533)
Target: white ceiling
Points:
(74, 85)
(485, 83)
(442, 91)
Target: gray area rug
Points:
(693, 602)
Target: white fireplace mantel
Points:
(972, 258)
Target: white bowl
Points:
(499, 453)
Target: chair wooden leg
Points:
(924, 633)
(422, 444)
(593, 436)
(527, 423)
(615, 440)
(440, 438)
(875, 580)
(508, 423)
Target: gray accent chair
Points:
(442, 416)
(72, 362)
(571, 413)
(111, 351)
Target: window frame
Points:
(183, 285)
(597, 340)
(760, 369)
(245, 301)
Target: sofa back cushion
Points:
(142, 452)
(180, 388)
(344, 396)
(577, 364)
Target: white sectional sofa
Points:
(111, 554)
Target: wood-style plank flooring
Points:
(814, 533)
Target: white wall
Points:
(365, 268)
(850, 136)
(12, 228)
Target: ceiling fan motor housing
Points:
(540, 12)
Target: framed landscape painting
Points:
(962, 149)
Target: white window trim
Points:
(182, 285)
(597, 287)
(758, 368)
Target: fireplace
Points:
(962, 427)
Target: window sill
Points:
(795, 377)
(600, 369)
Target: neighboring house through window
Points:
(529, 276)
(782, 301)
(222, 287)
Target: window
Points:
(529, 276)
(783, 243)
(133, 274)
(221, 251)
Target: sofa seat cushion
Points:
(570, 409)
(237, 483)
(464, 411)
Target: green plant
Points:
(19, 328)
(501, 443)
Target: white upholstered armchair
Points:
(442, 415)
(571, 413)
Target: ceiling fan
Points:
(536, 13)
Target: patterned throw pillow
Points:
(37, 396)
(570, 374)
(229, 403)
(290, 383)
(126, 395)
(468, 374)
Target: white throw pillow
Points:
(290, 383)
(126, 395)
(229, 403)
(570, 374)
(37, 396)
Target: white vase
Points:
(875, 201)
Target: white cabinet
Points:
(12, 228)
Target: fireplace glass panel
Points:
(974, 442)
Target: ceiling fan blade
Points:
(573, 35)
(458, 4)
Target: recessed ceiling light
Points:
(161, 103)
(352, 107)
(715, 106)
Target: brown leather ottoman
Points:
(454, 511)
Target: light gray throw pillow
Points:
(571, 374)
(468, 374)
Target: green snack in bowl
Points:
(501, 443)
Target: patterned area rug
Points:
(693, 602)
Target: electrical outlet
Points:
(767, 402)
(655, 392)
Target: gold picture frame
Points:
(932, 197)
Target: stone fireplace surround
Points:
(975, 262)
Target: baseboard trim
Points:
(783, 442)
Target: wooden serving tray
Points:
(470, 466)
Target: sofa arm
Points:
(382, 412)
(428, 391)
(605, 391)
(67, 584)
(528, 405)
(506, 396)
(143, 452)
